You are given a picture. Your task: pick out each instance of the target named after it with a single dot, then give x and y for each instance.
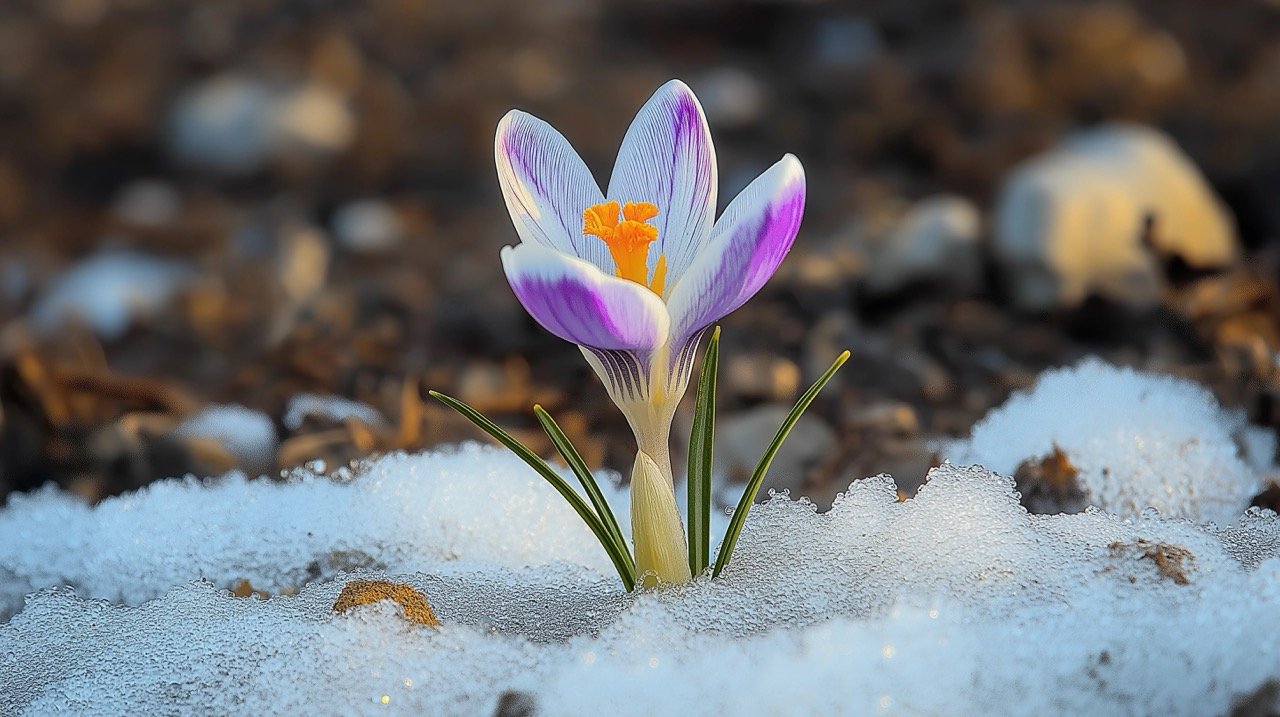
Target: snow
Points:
(108, 291)
(953, 602)
(1139, 440)
(247, 434)
(403, 514)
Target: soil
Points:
(885, 103)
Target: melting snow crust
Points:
(955, 602)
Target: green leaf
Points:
(588, 481)
(701, 450)
(762, 468)
(621, 564)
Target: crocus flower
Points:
(635, 275)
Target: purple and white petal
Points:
(746, 246)
(547, 186)
(576, 301)
(667, 158)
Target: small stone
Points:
(368, 226)
(364, 592)
(741, 439)
(108, 291)
(235, 126)
(760, 376)
(148, 202)
(936, 241)
(247, 434)
(312, 120)
(223, 124)
(731, 96)
(886, 418)
(328, 410)
(842, 46)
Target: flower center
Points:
(628, 240)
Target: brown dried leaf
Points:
(364, 592)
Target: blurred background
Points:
(251, 233)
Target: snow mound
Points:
(954, 602)
(1138, 440)
(401, 514)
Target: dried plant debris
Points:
(1049, 485)
(1172, 561)
(244, 588)
(364, 592)
(1262, 702)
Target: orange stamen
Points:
(628, 240)
(659, 275)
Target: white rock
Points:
(731, 96)
(312, 119)
(937, 239)
(368, 225)
(1139, 440)
(223, 124)
(1071, 222)
(236, 125)
(148, 202)
(108, 291)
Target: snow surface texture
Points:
(403, 514)
(954, 602)
(1138, 440)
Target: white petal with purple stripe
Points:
(577, 302)
(547, 186)
(667, 158)
(746, 246)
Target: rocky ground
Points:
(305, 194)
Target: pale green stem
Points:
(661, 552)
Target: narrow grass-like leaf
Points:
(701, 456)
(566, 491)
(762, 468)
(588, 481)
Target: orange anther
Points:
(628, 240)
